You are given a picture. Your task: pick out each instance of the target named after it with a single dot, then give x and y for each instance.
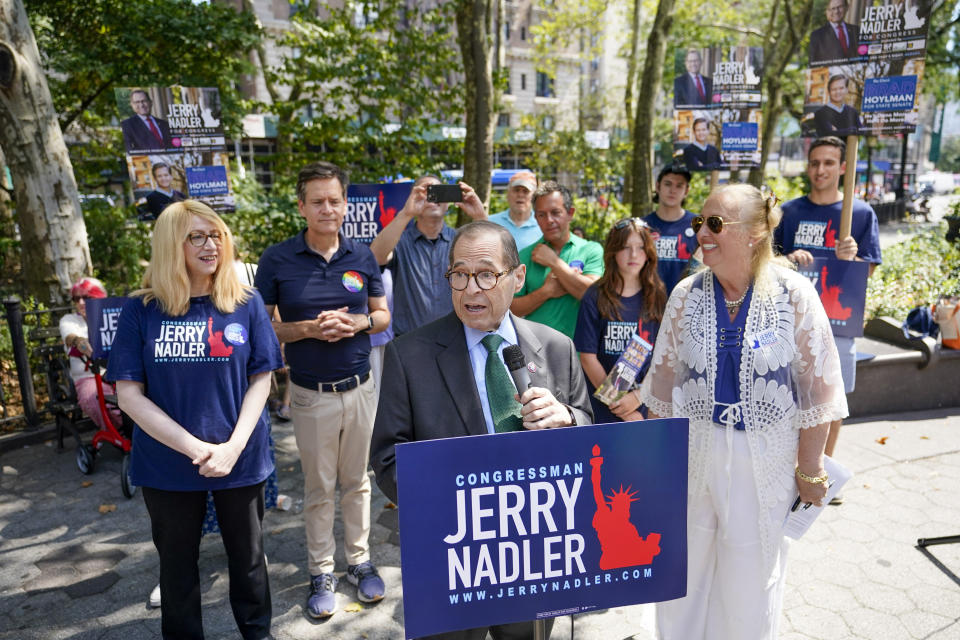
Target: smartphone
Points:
(444, 193)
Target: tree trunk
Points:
(641, 163)
(54, 248)
(632, 62)
(785, 32)
(473, 36)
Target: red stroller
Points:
(111, 434)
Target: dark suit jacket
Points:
(428, 390)
(685, 91)
(697, 160)
(137, 137)
(825, 46)
(157, 201)
(830, 122)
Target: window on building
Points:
(547, 123)
(523, 33)
(523, 82)
(506, 30)
(503, 120)
(506, 77)
(544, 85)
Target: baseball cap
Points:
(523, 179)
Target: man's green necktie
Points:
(504, 410)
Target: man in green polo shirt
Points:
(560, 266)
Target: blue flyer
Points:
(102, 317)
(842, 286)
(371, 207)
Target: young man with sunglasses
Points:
(676, 241)
(810, 228)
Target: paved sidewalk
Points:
(69, 571)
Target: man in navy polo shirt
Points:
(809, 229)
(330, 297)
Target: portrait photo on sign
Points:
(158, 180)
(143, 120)
(836, 34)
(696, 139)
(692, 84)
(832, 103)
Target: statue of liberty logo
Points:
(620, 543)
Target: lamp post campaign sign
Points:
(538, 524)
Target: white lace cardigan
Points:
(789, 380)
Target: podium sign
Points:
(537, 524)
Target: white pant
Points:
(730, 593)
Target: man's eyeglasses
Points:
(486, 280)
(199, 238)
(714, 223)
(638, 223)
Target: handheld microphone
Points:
(513, 357)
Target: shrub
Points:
(914, 272)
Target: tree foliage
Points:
(366, 89)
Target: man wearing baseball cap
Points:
(518, 219)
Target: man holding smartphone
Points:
(416, 246)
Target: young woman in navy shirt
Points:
(629, 298)
(192, 359)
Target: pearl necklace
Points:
(733, 304)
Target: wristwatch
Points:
(369, 321)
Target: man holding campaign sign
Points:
(449, 378)
(809, 231)
(745, 352)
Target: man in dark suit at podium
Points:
(835, 40)
(691, 88)
(448, 378)
(143, 132)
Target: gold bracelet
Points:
(812, 479)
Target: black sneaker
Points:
(364, 576)
(322, 602)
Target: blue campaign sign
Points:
(371, 207)
(102, 317)
(842, 285)
(207, 181)
(894, 93)
(740, 136)
(538, 524)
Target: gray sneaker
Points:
(322, 601)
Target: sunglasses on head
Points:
(636, 222)
(714, 223)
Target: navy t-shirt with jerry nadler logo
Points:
(303, 284)
(196, 368)
(676, 244)
(816, 228)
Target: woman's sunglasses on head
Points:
(639, 223)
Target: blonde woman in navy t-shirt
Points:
(192, 359)
(628, 298)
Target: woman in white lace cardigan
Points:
(746, 353)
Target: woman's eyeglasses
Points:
(714, 223)
(636, 222)
(79, 298)
(199, 238)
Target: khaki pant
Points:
(333, 433)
